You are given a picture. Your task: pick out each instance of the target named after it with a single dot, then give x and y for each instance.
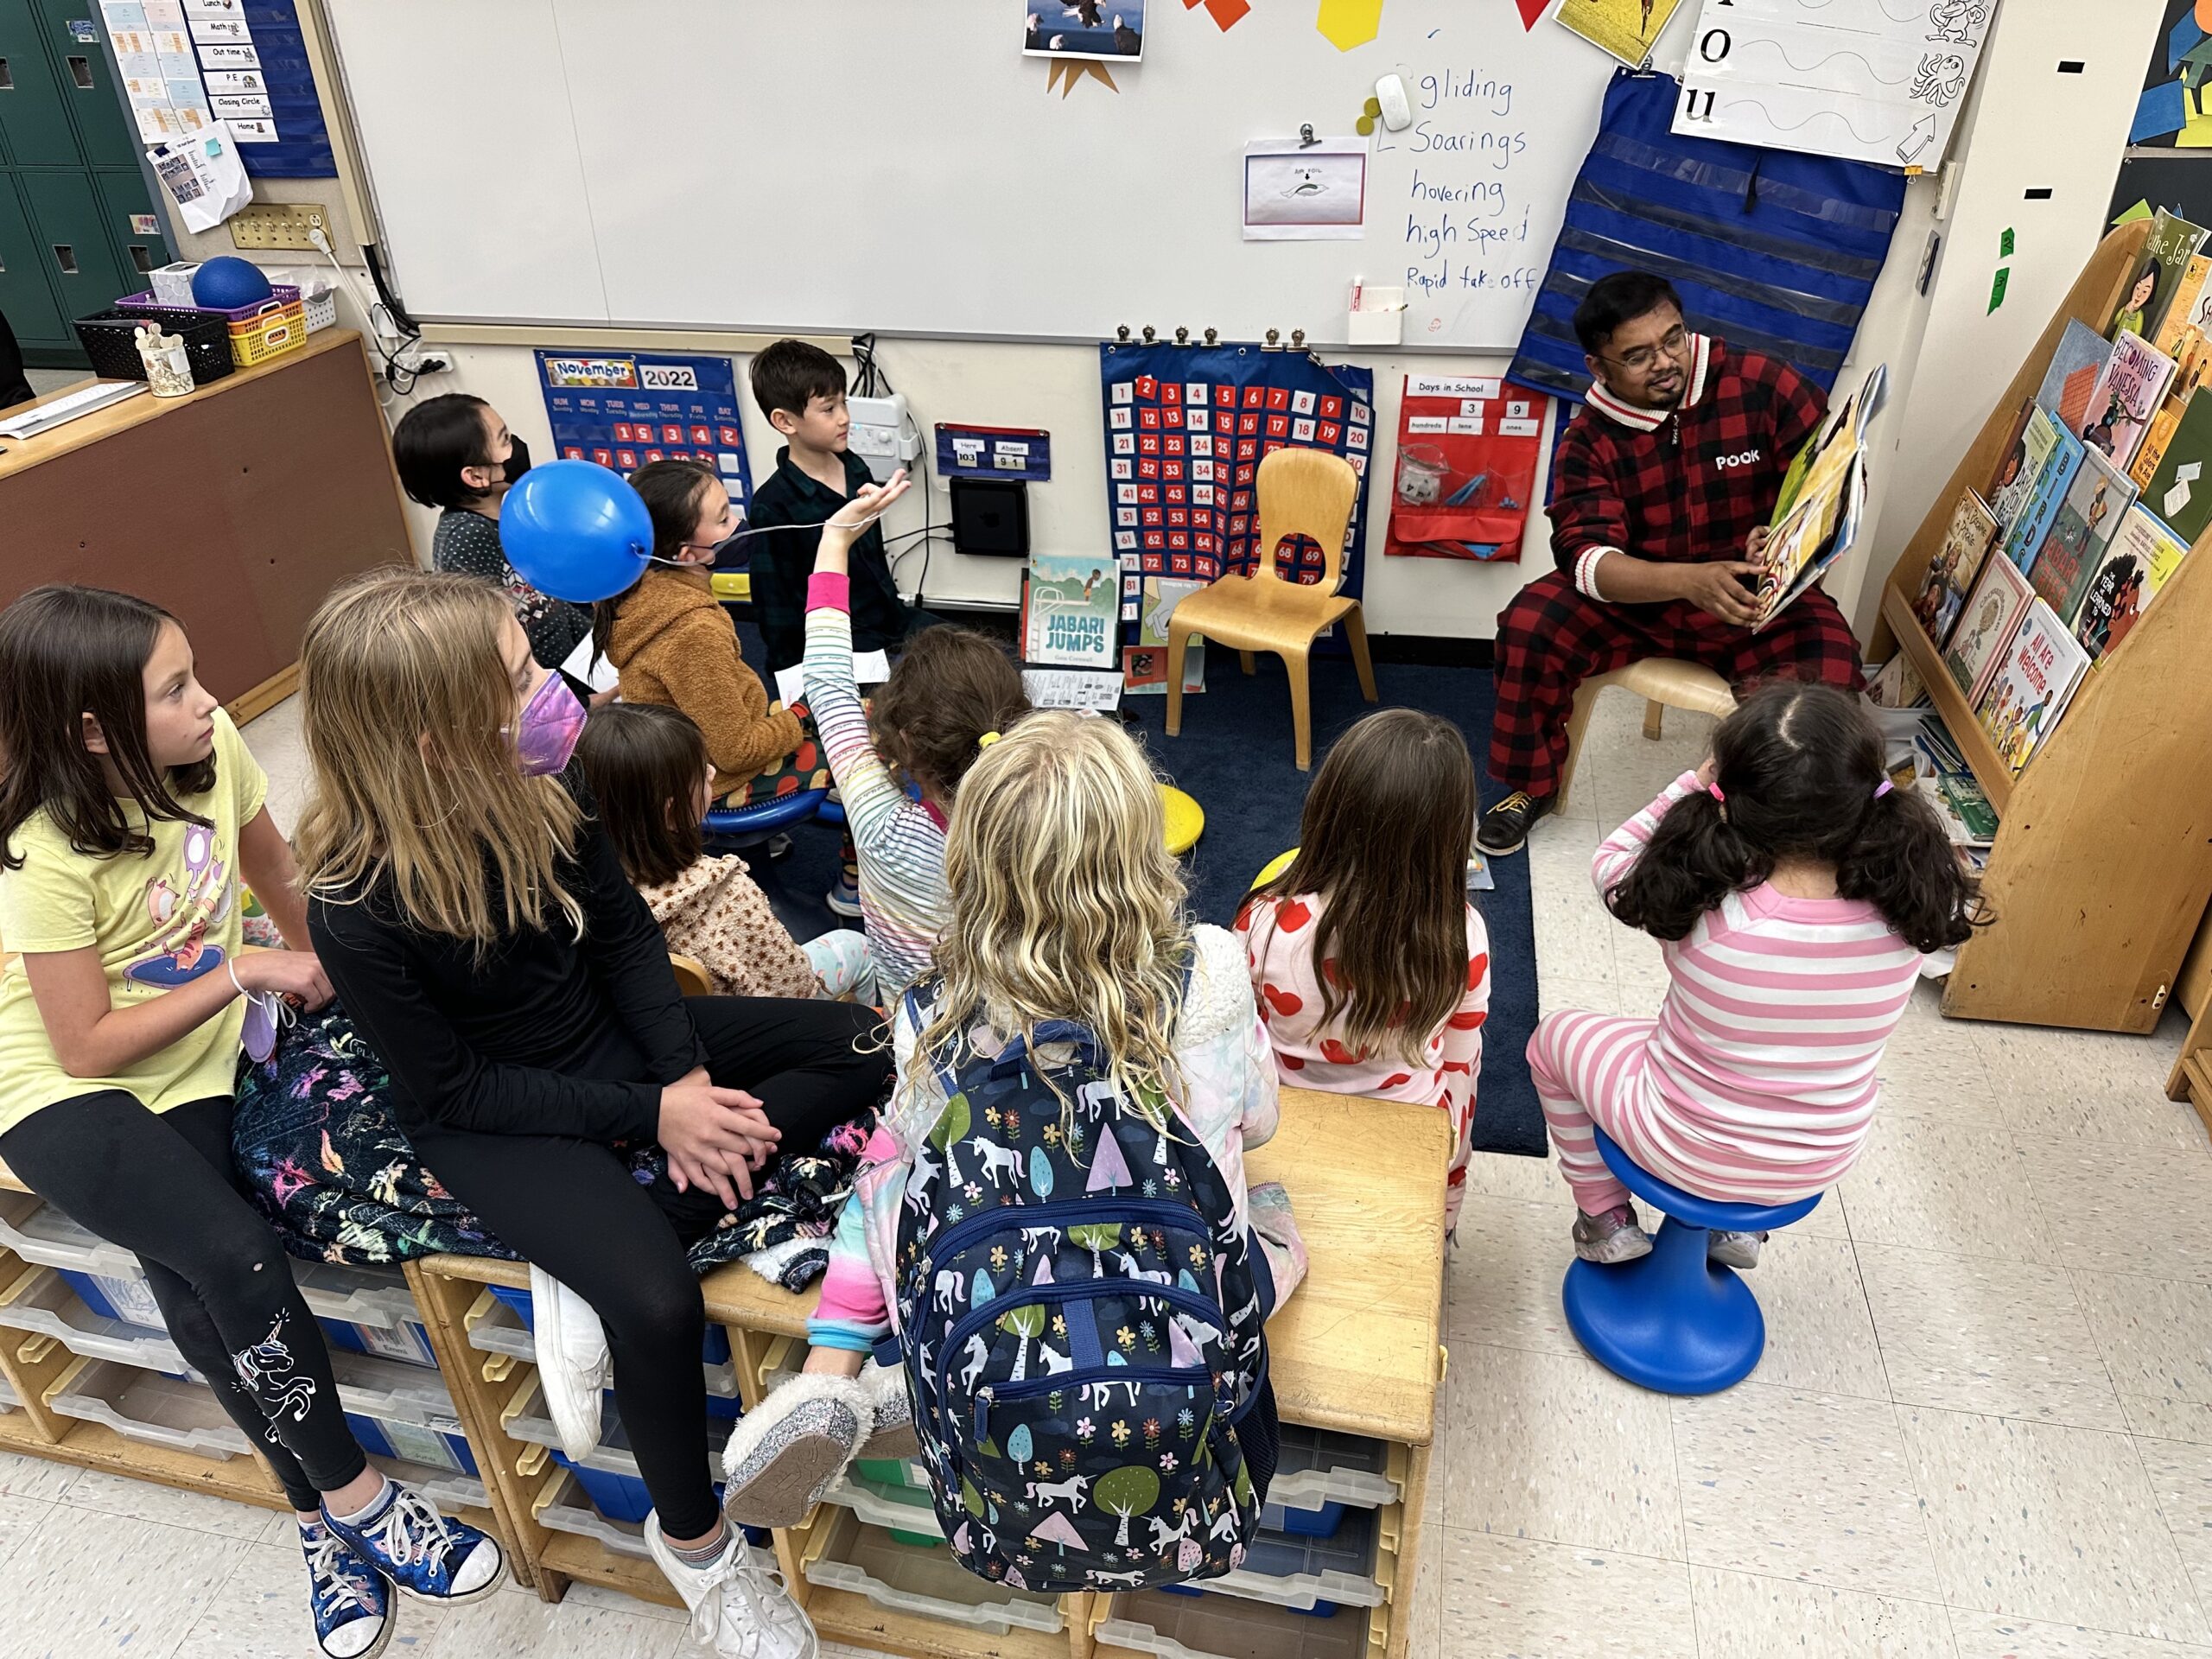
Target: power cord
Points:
(391, 331)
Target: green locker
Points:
(35, 126)
(25, 294)
(95, 103)
(78, 254)
(133, 226)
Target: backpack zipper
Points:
(1087, 1212)
(1084, 1290)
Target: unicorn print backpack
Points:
(1082, 1329)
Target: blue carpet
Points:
(1235, 759)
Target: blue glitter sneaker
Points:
(351, 1601)
(422, 1552)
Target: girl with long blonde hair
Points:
(475, 921)
(1066, 908)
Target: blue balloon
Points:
(576, 530)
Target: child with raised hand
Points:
(470, 910)
(648, 769)
(953, 689)
(1371, 967)
(1066, 907)
(1795, 890)
(128, 809)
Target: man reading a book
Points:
(1661, 489)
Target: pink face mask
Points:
(551, 723)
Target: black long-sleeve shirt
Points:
(543, 1033)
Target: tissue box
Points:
(173, 283)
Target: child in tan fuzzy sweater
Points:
(673, 644)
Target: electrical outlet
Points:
(420, 362)
(279, 224)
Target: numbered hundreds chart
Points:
(1186, 428)
(1865, 81)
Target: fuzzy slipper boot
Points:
(784, 1454)
(892, 1435)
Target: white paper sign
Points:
(1427, 424)
(1295, 191)
(1866, 81)
(1422, 385)
(869, 668)
(1099, 691)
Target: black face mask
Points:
(516, 464)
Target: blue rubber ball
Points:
(225, 284)
(576, 530)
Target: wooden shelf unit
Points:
(2102, 863)
(1356, 1349)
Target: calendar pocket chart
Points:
(624, 408)
(1867, 80)
(1186, 428)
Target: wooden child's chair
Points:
(1301, 493)
(1663, 684)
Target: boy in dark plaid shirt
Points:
(1660, 491)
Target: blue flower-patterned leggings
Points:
(163, 1186)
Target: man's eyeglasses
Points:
(1643, 357)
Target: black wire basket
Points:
(110, 338)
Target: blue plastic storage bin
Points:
(412, 1443)
(1343, 1565)
(115, 1297)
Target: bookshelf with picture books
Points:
(2049, 623)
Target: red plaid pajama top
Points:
(1673, 486)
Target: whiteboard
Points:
(896, 166)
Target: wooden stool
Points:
(1663, 684)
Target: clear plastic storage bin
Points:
(1309, 1575)
(1321, 1474)
(844, 1553)
(43, 1303)
(1207, 1627)
(149, 1406)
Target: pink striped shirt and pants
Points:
(1756, 1084)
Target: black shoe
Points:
(1505, 826)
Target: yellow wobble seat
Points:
(1301, 493)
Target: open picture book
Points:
(1823, 499)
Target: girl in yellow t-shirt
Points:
(128, 809)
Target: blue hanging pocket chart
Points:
(624, 408)
(254, 61)
(1018, 453)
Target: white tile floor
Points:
(1982, 1430)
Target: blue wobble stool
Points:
(749, 825)
(1673, 1321)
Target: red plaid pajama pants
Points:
(1551, 639)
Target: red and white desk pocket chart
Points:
(1467, 454)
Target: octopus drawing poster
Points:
(1862, 80)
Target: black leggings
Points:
(162, 1185)
(571, 1207)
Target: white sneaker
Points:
(740, 1608)
(574, 1367)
